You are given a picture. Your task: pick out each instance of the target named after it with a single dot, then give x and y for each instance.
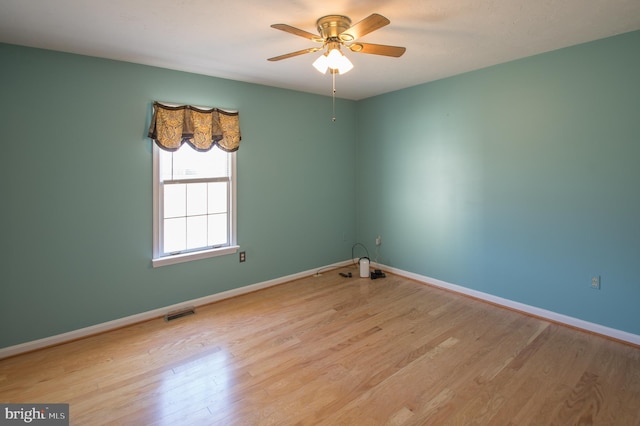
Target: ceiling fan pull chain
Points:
(333, 96)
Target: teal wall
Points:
(76, 215)
(520, 180)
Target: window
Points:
(194, 204)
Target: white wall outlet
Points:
(595, 282)
(378, 240)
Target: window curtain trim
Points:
(171, 126)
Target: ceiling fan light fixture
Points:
(322, 63)
(333, 57)
(334, 60)
(344, 65)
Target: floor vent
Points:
(179, 314)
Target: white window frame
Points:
(161, 260)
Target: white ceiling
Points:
(233, 39)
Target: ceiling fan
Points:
(336, 31)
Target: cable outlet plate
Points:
(595, 282)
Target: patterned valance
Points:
(171, 126)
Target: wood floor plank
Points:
(328, 350)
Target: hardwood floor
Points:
(330, 350)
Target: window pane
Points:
(196, 232)
(187, 163)
(218, 197)
(175, 200)
(218, 229)
(166, 164)
(175, 235)
(196, 199)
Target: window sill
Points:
(187, 257)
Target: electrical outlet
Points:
(378, 240)
(243, 256)
(595, 282)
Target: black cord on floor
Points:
(355, 264)
(352, 252)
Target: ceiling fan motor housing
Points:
(331, 26)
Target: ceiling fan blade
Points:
(367, 25)
(297, 31)
(377, 49)
(292, 54)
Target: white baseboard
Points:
(521, 307)
(156, 313)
